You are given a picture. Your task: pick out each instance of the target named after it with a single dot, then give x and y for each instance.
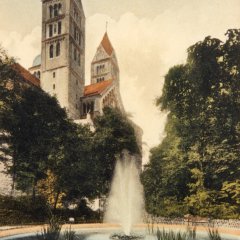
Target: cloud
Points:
(147, 47)
(23, 47)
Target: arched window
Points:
(92, 107)
(55, 28)
(88, 107)
(59, 27)
(38, 74)
(75, 32)
(84, 109)
(79, 59)
(59, 8)
(55, 10)
(54, 86)
(80, 40)
(58, 49)
(75, 54)
(51, 51)
(50, 11)
(50, 30)
(97, 69)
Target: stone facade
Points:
(63, 52)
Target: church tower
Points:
(63, 52)
(105, 65)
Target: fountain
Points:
(125, 204)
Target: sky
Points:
(149, 37)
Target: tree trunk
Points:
(34, 190)
(13, 172)
(56, 200)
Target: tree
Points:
(72, 164)
(36, 123)
(203, 99)
(113, 134)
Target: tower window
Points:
(54, 86)
(84, 108)
(38, 74)
(50, 11)
(80, 40)
(75, 32)
(58, 49)
(79, 59)
(55, 10)
(55, 28)
(51, 51)
(54, 74)
(59, 27)
(75, 54)
(92, 107)
(59, 8)
(50, 30)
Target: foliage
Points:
(113, 134)
(190, 234)
(46, 188)
(69, 234)
(203, 137)
(52, 231)
(20, 210)
(213, 234)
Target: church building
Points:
(61, 65)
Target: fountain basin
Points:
(106, 231)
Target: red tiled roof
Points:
(107, 44)
(26, 75)
(97, 88)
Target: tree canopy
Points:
(47, 153)
(198, 162)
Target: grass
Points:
(190, 234)
(213, 234)
(52, 230)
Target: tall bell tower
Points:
(63, 52)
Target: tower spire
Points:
(106, 26)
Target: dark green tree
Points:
(203, 99)
(114, 133)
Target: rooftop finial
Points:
(106, 26)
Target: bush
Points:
(21, 210)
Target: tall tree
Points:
(203, 99)
(113, 134)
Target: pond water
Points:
(105, 234)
